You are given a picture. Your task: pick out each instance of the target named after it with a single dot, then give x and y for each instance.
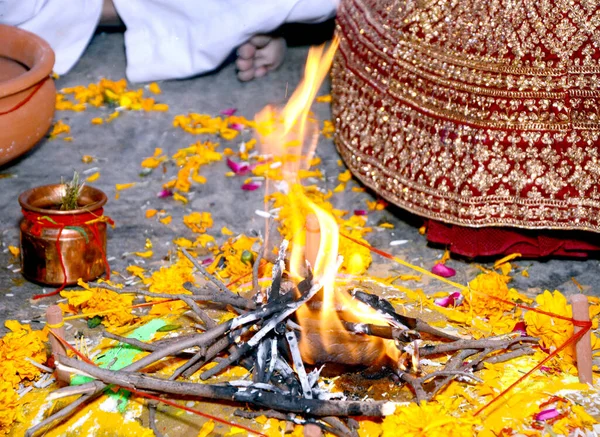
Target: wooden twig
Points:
(152, 418)
(258, 397)
(206, 319)
(495, 343)
(197, 295)
(260, 256)
(220, 285)
(62, 414)
(266, 328)
(341, 431)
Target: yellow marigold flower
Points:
(171, 279)
(59, 128)
(15, 251)
(339, 188)
(166, 220)
(486, 289)
(180, 198)
(345, 176)
(551, 331)
(136, 271)
(15, 349)
(146, 254)
(121, 187)
(427, 420)
(204, 240)
(232, 252)
(160, 107)
(328, 129)
(9, 401)
(198, 221)
(97, 300)
(206, 429)
(183, 242)
(93, 177)
(154, 88)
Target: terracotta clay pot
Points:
(27, 93)
(59, 247)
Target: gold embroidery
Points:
(474, 113)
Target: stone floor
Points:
(121, 145)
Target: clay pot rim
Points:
(42, 65)
(44, 191)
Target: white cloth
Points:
(165, 39)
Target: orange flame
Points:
(291, 134)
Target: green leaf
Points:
(45, 217)
(94, 322)
(168, 328)
(80, 230)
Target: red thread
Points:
(571, 340)
(28, 98)
(87, 220)
(585, 325)
(149, 396)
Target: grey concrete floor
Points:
(121, 145)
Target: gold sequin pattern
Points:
(477, 113)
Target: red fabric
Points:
(492, 241)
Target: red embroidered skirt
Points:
(482, 117)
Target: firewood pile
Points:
(264, 338)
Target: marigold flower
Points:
(427, 420)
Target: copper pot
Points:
(78, 237)
(27, 93)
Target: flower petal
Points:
(443, 270)
(229, 111)
(520, 327)
(360, 212)
(238, 168)
(251, 186)
(164, 193)
(548, 414)
(452, 300)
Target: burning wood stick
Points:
(261, 398)
(387, 308)
(267, 327)
(298, 364)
